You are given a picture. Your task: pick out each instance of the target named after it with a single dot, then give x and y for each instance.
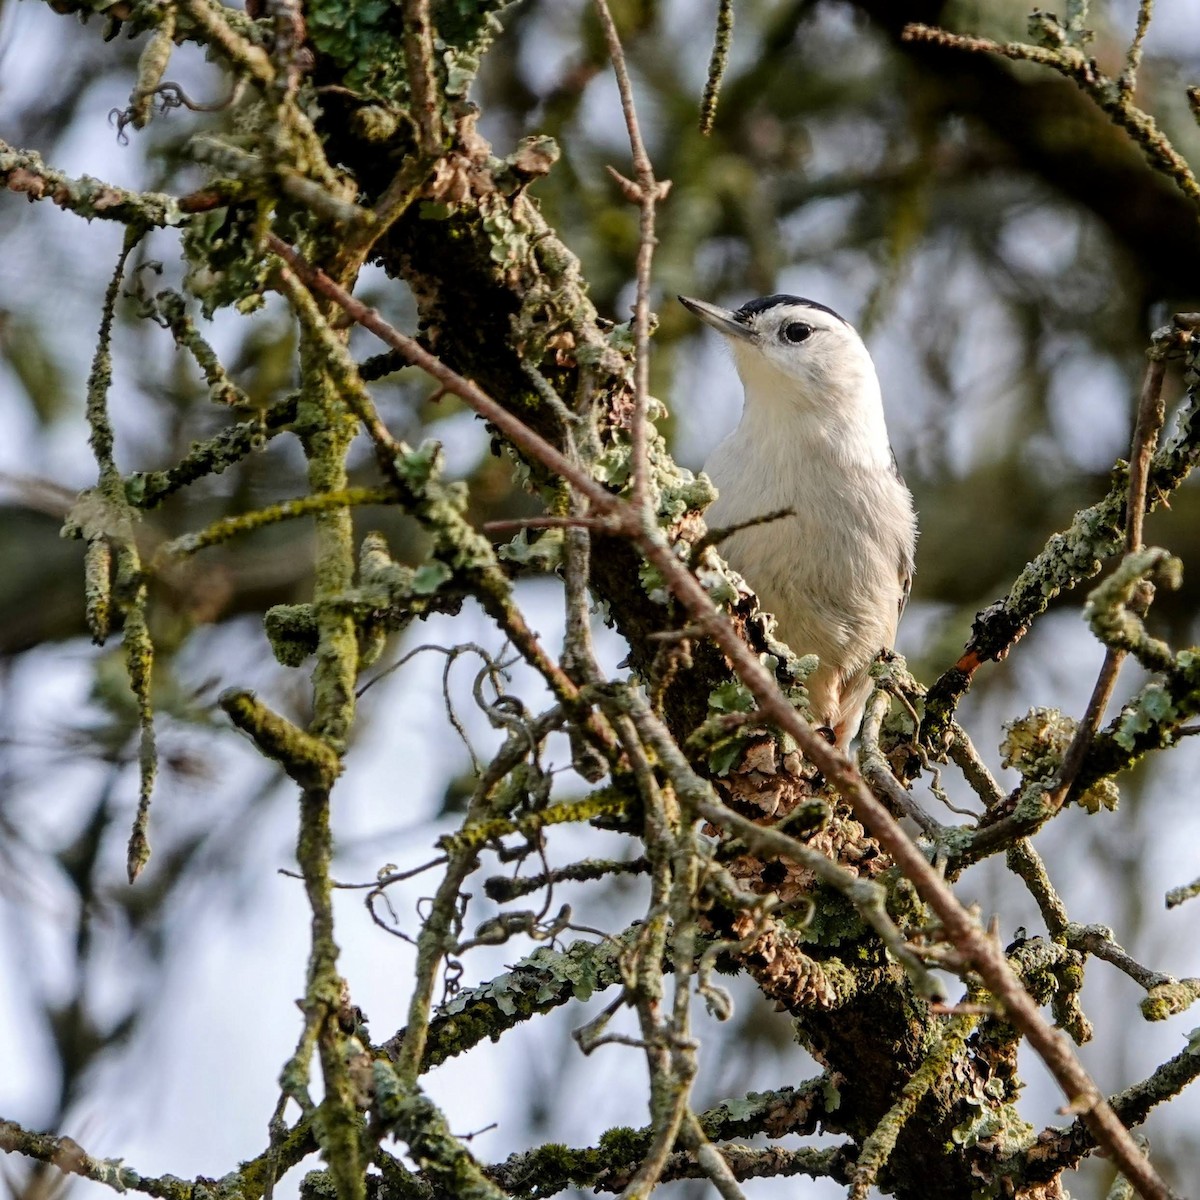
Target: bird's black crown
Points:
(753, 307)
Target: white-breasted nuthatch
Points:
(812, 439)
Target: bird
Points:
(812, 439)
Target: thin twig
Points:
(975, 771)
(1083, 71)
(1151, 413)
(1180, 895)
(418, 60)
(1127, 81)
(714, 537)
(1026, 863)
(646, 193)
(515, 524)
(225, 528)
(716, 66)
(374, 884)
(1098, 940)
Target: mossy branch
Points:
(308, 760)
(148, 489)
(24, 171)
(411, 1115)
(1114, 97)
(878, 1147)
(69, 1157)
(549, 1169)
(722, 43)
(607, 802)
(1075, 555)
(169, 309)
(105, 516)
(286, 510)
(545, 980)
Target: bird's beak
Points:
(721, 319)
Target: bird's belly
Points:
(831, 583)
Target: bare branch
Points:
(646, 193)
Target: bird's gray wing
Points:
(906, 564)
(905, 588)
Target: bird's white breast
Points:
(831, 573)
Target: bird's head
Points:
(795, 351)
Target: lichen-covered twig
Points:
(404, 1109)
(1165, 996)
(68, 1156)
(610, 1164)
(545, 980)
(152, 63)
(1180, 895)
(169, 309)
(1070, 557)
(722, 43)
(878, 773)
(23, 171)
(250, 1180)
(1025, 862)
(225, 528)
(212, 19)
(1116, 100)
(747, 1162)
(1114, 610)
(1151, 412)
(503, 888)
(104, 515)
(147, 489)
(1057, 1150)
(1127, 80)
(877, 1148)
(306, 759)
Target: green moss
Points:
(604, 802)
(292, 632)
(1170, 998)
(308, 760)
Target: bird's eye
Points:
(796, 332)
